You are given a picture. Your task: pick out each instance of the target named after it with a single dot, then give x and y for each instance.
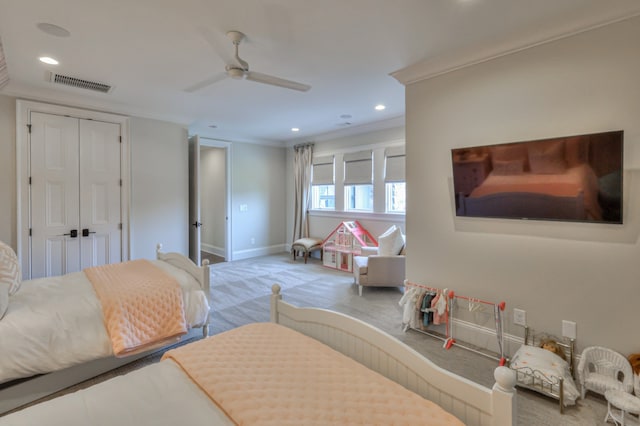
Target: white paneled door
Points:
(75, 194)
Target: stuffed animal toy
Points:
(634, 360)
(553, 346)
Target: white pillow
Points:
(9, 268)
(4, 299)
(388, 231)
(390, 244)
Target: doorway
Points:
(214, 199)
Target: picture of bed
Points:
(576, 178)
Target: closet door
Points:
(100, 189)
(54, 195)
(75, 194)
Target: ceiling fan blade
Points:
(275, 81)
(204, 83)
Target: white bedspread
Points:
(54, 323)
(159, 394)
(547, 366)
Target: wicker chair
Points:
(601, 369)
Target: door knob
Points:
(73, 233)
(85, 232)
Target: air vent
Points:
(79, 83)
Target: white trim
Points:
(211, 249)
(260, 251)
(478, 54)
(353, 215)
(23, 110)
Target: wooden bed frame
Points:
(19, 392)
(523, 205)
(541, 383)
(472, 403)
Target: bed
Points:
(547, 179)
(53, 334)
(313, 366)
(545, 372)
(570, 195)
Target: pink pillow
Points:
(509, 152)
(547, 157)
(508, 167)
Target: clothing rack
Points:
(446, 337)
(498, 308)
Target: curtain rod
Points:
(302, 145)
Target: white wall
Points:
(213, 196)
(587, 273)
(322, 223)
(159, 188)
(257, 182)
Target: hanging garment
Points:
(426, 309)
(440, 309)
(408, 302)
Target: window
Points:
(358, 197)
(395, 197)
(358, 181)
(394, 179)
(323, 191)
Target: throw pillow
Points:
(547, 157)
(4, 299)
(9, 268)
(508, 167)
(391, 244)
(388, 231)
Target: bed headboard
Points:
(569, 345)
(201, 274)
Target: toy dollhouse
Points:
(343, 243)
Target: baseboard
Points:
(211, 249)
(260, 251)
(484, 338)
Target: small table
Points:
(625, 402)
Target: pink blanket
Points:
(268, 374)
(142, 305)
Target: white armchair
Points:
(374, 270)
(601, 369)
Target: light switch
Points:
(569, 329)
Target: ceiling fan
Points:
(239, 70)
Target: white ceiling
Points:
(152, 50)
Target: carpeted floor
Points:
(240, 295)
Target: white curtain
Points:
(302, 164)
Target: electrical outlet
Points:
(569, 329)
(520, 317)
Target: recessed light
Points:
(53, 30)
(295, 129)
(380, 107)
(48, 60)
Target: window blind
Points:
(358, 168)
(394, 164)
(323, 170)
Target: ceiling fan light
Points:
(236, 73)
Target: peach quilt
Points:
(268, 374)
(142, 305)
